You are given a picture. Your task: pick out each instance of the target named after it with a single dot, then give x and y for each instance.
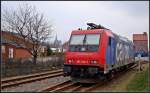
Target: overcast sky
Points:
(122, 17)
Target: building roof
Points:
(139, 37)
(14, 34)
(6, 41)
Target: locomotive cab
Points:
(84, 56)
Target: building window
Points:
(3, 49)
(11, 53)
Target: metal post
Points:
(139, 62)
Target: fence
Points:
(142, 59)
(23, 66)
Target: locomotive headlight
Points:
(93, 62)
(70, 61)
(78, 61)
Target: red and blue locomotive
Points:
(95, 53)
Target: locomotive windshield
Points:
(92, 39)
(77, 39)
(86, 42)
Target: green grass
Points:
(139, 82)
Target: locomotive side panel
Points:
(124, 53)
(119, 52)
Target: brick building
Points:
(141, 44)
(12, 47)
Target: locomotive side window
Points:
(109, 42)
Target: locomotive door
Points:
(112, 51)
(110, 55)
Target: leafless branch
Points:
(29, 25)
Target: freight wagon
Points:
(96, 53)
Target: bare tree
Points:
(30, 25)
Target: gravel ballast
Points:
(35, 86)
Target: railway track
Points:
(69, 86)
(13, 81)
(105, 82)
(50, 88)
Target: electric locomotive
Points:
(96, 53)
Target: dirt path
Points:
(120, 84)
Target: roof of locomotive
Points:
(98, 31)
(123, 39)
(92, 31)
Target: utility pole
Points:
(139, 62)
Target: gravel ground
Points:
(35, 86)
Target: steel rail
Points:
(29, 78)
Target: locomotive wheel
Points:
(102, 77)
(112, 74)
(108, 76)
